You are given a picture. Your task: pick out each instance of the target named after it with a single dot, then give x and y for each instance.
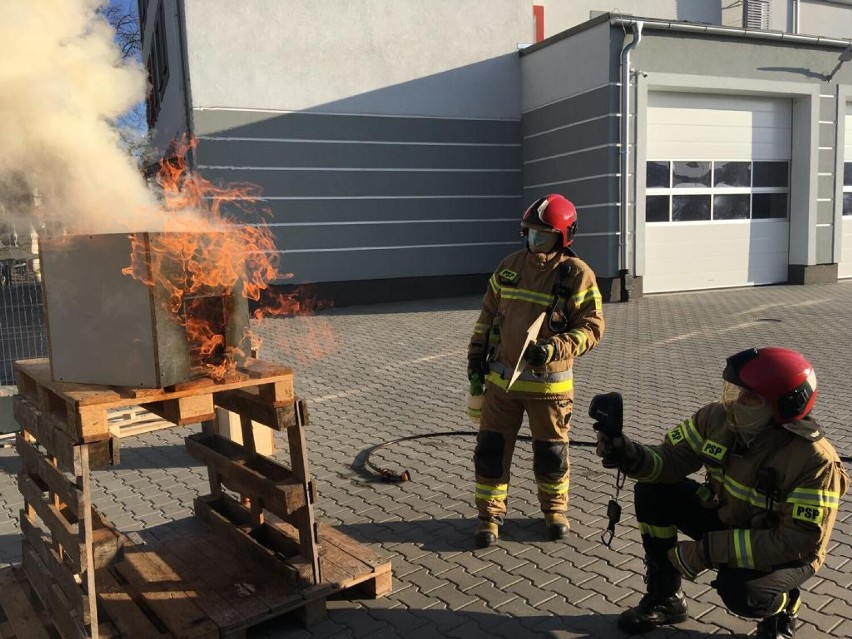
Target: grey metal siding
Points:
(571, 147)
(372, 197)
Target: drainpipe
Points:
(796, 5)
(624, 268)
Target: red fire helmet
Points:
(553, 212)
(780, 375)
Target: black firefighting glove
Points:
(619, 452)
(540, 352)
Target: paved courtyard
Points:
(379, 373)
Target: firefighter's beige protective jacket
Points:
(518, 291)
(763, 533)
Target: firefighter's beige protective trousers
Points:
(549, 422)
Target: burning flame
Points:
(203, 252)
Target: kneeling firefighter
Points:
(544, 277)
(763, 516)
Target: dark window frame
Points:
(763, 193)
(157, 65)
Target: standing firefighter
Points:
(546, 276)
(763, 516)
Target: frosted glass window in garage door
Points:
(716, 191)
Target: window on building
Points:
(708, 190)
(158, 67)
(847, 188)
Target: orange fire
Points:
(204, 251)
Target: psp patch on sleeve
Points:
(676, 435)
(808, 513)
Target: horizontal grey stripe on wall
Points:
(399, 263)
(389, 209)
(570, 167)
(385, 235)
(358, 183)
(593, 133)
(584, 106)
(585, 191)
(825, 245)
(825, 212)
(354, 155)
(315, 126)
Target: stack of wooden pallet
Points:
(263, 554)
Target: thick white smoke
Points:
(61, 83)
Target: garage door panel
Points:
(844, 268)
(692, 256)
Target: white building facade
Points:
(397, 142)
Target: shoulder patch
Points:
(714, 450)
(508, 276)
(808, 513)
(676, 435)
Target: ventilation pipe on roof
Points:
(624, 252)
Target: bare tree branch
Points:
(126, 24)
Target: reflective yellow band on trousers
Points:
(559, 488)
(657, 532)
(492, 492)
(524, 386)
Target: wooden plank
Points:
(52, 434)
(34, 463)
(296, 573)
(123, 611)
(247, 474)
(60, 528)
(245, 402)
(90, 423)
(24, 621)
(40, 544)
(38, 371)
(51, 596)
(163, 591)
(304, 518)
(86, 538)
(184, 410)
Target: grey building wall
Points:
(385, 135)
(570, 135)
(831, 19)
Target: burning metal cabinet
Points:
(105, 327)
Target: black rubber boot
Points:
(782, 625)
(662, 604)
(487, 533)
(557, 525)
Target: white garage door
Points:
(844, 268)
(717, 191)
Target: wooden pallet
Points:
(193, 583)
(22, 615)
(260, 514)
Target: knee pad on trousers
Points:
(744, 600)
(550, 459)
(488, 456)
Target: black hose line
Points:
(388, 475)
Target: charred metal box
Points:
(110, 328)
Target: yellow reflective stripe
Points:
(479, 328)
(742, 548)
(740, 491)
(656, 467)
(494, 285)
(693, 437)
(474, 413)
(591, 293)
(524, 386)
(525, 295)
(554, 489)
(498, 492)
(815, 497)
(657, 532)
(582, 340)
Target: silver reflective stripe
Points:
(528, 375)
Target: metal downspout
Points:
(623, 263)
(796, 5)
